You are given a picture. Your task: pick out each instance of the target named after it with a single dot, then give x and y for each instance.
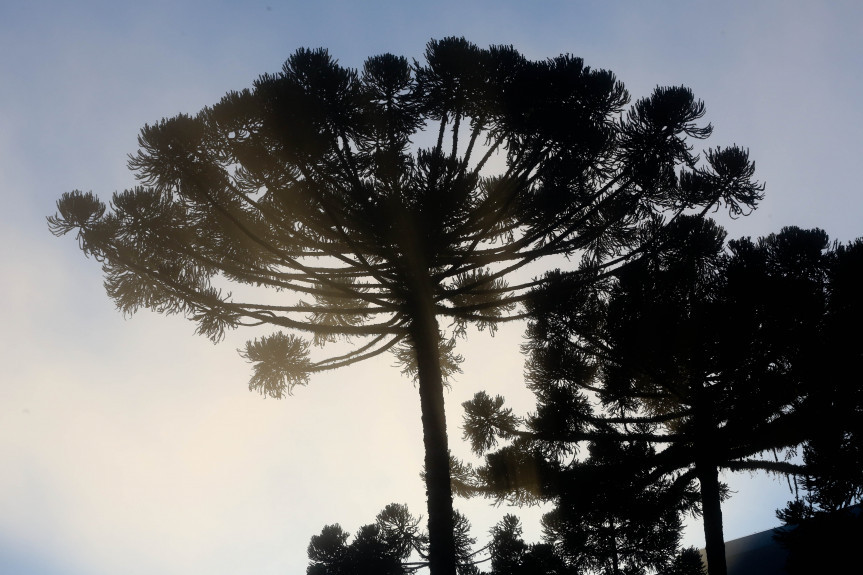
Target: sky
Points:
(130, 445)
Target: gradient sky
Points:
(132, 446)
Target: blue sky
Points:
(132, 446)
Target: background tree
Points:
(510, 555)
(822, 524)
(712, 354)
(382, 547)
(394, 544)
(687, 562)
(312, 186)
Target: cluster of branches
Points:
(395, 545)
(699, 358)
(311, 187)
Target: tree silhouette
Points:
(510, 555)
(687, 562)
(823, 524)
(313, 187)
(833, 455)
(394, 544)
(712, 355)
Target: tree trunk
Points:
(708, 477)
(714, 540)
(425, 336)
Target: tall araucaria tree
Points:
(312, 185)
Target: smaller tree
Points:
(510, 555)
(330, 554)
(393, 545)
(687, 562)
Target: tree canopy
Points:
(394, 544)
(714, 356)
(824, 521)
(833, 454)
(365, 205)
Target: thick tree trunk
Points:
(708, 477)
(425, 335)
(711, 505)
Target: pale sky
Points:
(132, 446)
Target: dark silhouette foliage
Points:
(715, 355)
(382, 547)
(833, 455)
(825, 524)
(510, 555)
(687, 562)
(609, 517)
(394, 544)
(312, 187)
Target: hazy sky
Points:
(134, 447)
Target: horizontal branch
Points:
(764, 465)
(357, 355)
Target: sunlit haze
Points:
(133, 446)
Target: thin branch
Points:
(349, 359)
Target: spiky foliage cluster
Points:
(393, 545)
(511, 555)
(699, 357)
(310, 184)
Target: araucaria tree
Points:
(718, 357)
(313, 184)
